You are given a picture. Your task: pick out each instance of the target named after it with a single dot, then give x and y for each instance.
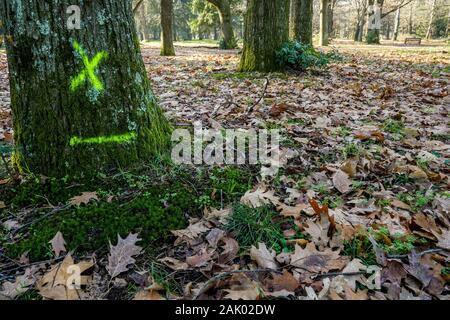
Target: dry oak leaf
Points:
(223, 214)
(444, 240)
(340, 283)
(85, 198)
(2, 205)
(263, 257)
(285, 281)
(150, 293)
(260, 197)
(191, 232)
(230, 250)
(58, 244)
(242, 288)
(314, 261)
(341, 181)
(12, 290)
(174, 264)
(200, 259)
(58, 283)
(294, 212)
(121, 256)
(428, 224)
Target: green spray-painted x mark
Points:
(89, 69)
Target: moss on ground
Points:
(151, 202)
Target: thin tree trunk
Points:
(431, 21)
(266, 29)
(301, 21)
(226, 23)
(447, 31)
(324, 39)
(81, 100)
(374, 21)
(397, 24)
(410, 22)
(167, 48)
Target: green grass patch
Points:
(251, 226)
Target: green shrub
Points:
(301, 56)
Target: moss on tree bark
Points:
(266, 29)
(301, 21)
(49, 112)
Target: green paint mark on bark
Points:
(89, 69)
(121, 138)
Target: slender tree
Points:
(301, 21)
(374, 21)
(431, 21)
(81, 100)
(324, 18)
(167, 48)
(397, 24)
(226, 25)
(266, 29)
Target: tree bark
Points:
(167, 48)
(266, 29)
(397, 24)
(431, 21)
(410, 22)
(226, 25)
(447, 31)
(301, 21)
(374, 21)
(324, 37)
(81, 100)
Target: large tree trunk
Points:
(81, 100)
(374, 21)
(324, 37)
(266, 29)
(431, 21)
(167, 48)
(224, 8)
(397, 24)
(301, 21)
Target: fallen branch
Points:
(214, 279)
(250, 109)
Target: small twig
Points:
(399, 256)
(218, 277)
(55, 210)
(334, 274)
(250, 109)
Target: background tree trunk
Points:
(301, 21)
(324, 40)
(226, 23)
(374, 25)
(65, 124)
(410, 22)
(447, 31)
(431, 21)
(397, 24)
(167, 48)
(266, 29)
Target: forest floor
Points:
(360, 209)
